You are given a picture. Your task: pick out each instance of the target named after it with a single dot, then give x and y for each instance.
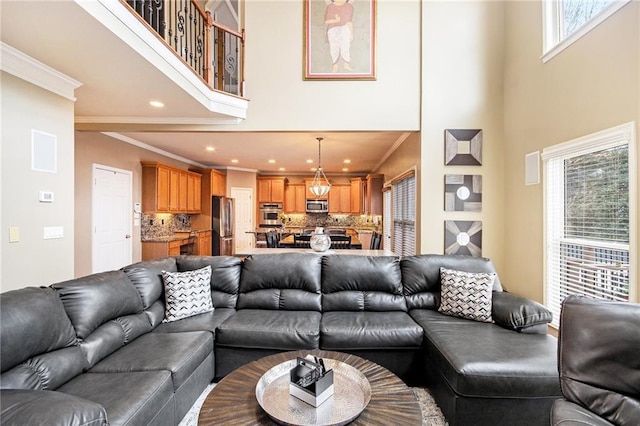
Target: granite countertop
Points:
(178, 236)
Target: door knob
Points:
(127, 236)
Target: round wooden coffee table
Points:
(233, 400)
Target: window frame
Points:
(551, 26)
(595, 142)
(409, 174)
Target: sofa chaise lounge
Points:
(98, 350)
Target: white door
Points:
(112, 216)
(244, 218)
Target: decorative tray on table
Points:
(352, 393)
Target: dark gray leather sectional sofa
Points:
(94, 350)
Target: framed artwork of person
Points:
(339, 39)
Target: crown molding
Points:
(148, 147)
(23, 66)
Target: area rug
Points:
(431, 414)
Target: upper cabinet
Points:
(373, 203)
(358, 190)
(294, 198)
(166, 189)
(271, 189)
(340, 199)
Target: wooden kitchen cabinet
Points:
(204, 243)
(166, 189)
(358, 193)
(373, 204)
(194, 197)
(271, 189)
(340, 199)
(218, 183)
(295, 198)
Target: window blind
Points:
(587, 219)
(404, 215)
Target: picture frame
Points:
(463, 237)
(339, 52)
(462, 193)
(463, 147)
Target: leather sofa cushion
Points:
(133, 398)
(288, 281)
(485, 360)
(179, 353)
(519, 314)
(112, 335)
(369, 330)
(37, 407)
(225, 276)
(421, 276)
(208, 321)
(46, 371)
(361, 283)
(271, 329)
(598, 350)
(565, 413)
(95, 299)
(33, 322)
(361, 273)
(146, 276)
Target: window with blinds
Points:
(587, 186)
(404, 215)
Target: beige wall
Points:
(281, 99)
(96, 148)
(33, 261)
(404, 158)
(592, 85)
(462, 48)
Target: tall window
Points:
(587, 217)
(404, 214)
(565, 21)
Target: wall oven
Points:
(269, 215)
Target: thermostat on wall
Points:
(45, 197)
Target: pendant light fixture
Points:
(320, 184)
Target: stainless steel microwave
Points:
(317, 206)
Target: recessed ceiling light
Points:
(210, 148)
(234, 160)
(347, 161)
(345, 169)
(309, 161)
(156, 104)
(272, 161)
(281, 169)
(313, 169)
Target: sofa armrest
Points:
(519, 314)
(40, 407)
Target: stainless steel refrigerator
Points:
(222, 225)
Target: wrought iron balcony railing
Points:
(214, 51)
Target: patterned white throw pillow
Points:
(466, 294)
(187, 293)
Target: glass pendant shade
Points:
(320, 184)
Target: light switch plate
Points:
(53, 232)
(14, 234)
(45, 196)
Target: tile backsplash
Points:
(163, 225)
(335, 221)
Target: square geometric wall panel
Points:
(463, 147)
(463, 237)
(463, 193)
